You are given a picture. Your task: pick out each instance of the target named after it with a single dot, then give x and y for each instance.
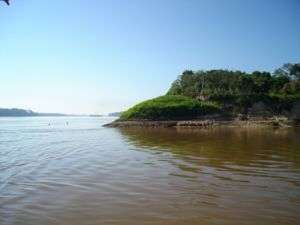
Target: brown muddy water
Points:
(82, 173)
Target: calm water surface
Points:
(82, 173)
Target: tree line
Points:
(222, 84)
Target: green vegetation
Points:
(198, 93)
(226, 84)
(240, 90)
(170, 107)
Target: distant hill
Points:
(117, 114)
(16, 112)
(54, 114)
(22, 112)
(96, 115)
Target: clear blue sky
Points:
(95, 56)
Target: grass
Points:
(170, 107)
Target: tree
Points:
(245, 85)
(292, 71)
(291, 88)
(175, 88)
(262, 81)
(295, 71)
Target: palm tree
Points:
(6, 1)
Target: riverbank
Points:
(208, 122)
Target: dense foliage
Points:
(168, 108)
(278, 90)
(225, 83)
(199, 93)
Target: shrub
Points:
(170, 107)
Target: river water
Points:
(71, 170)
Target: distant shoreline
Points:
(46, 116)
(16, 112)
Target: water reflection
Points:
(244, 170)
(220, 146)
